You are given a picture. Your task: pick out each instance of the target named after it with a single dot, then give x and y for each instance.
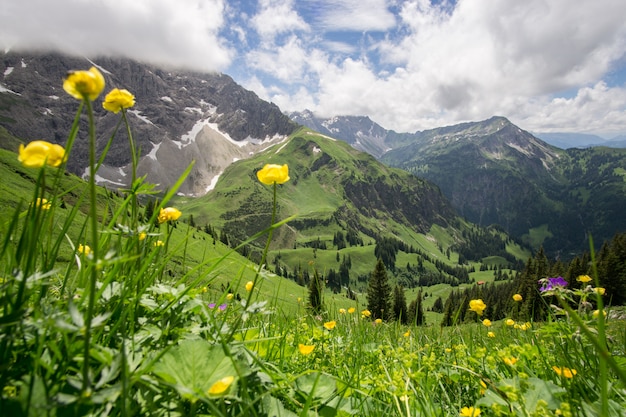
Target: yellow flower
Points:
(272, 173)
(366, 313)
(477, 306)
(159, 243)
(596, 313)
(599, 290)
(229, 296)
(407, 333)
(84, 249)
(469, 412)
(84, 84)
(221, 386)
(487, 322)
(305, 349)
(378, 321)
(342, 311)
(351, 310)
(584, 279)
(142, 236)
(42, 203)
(168, 214)
(117, 100)
(566, 372)
(329, 325)
(39, 153)
(491, 334)
(509, 361)
(249, 286)
(510, 322)
(517, 297)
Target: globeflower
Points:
(342, 311)
(599, 290)
(517, 297)
(221, 386)
(378, 321)
(566, 372)
(39, 153)
(584, 279)
(510, 322)
(168, 214)
(469, 412)
(478, 306)
(491, 334)
(84, 84)
(305, 349)
(366, 313)
(552, 284)
(84, 249)
(351, 310)
(117, 100)
(509, 361)
(487, 322)
(329, 325)
(273, 174)
(249, 286)
(42, 203)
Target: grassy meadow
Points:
(110, 309)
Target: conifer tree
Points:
(315, 293)
(379, 292)
(399, 305)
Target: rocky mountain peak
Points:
(179, 117)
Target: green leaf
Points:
(194, 366)
(541, 390)
(317, 386)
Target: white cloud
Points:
(277, 17)
(286, 62)
(172, 32)
(408, 64)
(485, 57)
(352, 15)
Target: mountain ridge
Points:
(172, 107)
(494, 172)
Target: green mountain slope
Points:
(348, 209)
(495, 173)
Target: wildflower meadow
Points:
(102, 313)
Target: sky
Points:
(547, 65)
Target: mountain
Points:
(179, 116)
(331, 182)
(616, 142)
(493, 172)
(571, 140)
(359, 131)
(348, 205)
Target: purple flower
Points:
(211, 305)
(222, 307)
(552, 284)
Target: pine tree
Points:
(399, 305)
(379, 292)
(419, 310)
(315, 293)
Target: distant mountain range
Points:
(493, 172)
(580, 140)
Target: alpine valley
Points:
(495, 173)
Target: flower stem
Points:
(93, 217)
